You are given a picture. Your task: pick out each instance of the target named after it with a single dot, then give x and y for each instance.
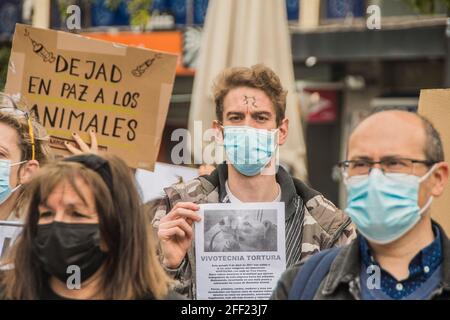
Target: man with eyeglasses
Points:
(395, 168)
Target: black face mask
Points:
(59, 245)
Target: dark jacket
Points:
(312, 222)
(343, 282)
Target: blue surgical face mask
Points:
(249, 149)
(5, 171)
(384, 207)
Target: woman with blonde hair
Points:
(23, 149)
(85, 237)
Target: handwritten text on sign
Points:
(76, 84)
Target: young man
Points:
(250, 104)
(395, 168)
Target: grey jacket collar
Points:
(346, 266)
(291, 188)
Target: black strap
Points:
(95, 163)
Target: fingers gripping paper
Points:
(76, 84)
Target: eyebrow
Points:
(235, 113)
(261, 113)
(252, 113)
(70, 205)
(394, 156)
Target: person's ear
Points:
(283, 130)
(28, 171)
(439, 178)
(218, 131)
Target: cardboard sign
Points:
(435, 105)
(77, 84)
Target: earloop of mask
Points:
(428, 174)
(430, 199)
(16, 164)
(16, 188)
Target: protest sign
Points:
(435, 105)
(77, 84)
(152, 184)
(240, 250)
(9, 231)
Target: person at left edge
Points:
(23, 149)
(85, 237)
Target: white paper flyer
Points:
(240, 250)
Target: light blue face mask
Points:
(5, 171)
(249, 149)
(384, 207)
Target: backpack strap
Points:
(310, 276)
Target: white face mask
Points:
(384, 207)
(248, 149)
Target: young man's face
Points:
(244, 106)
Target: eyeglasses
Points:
(388, 165)
(9, 106)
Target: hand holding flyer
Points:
(176, 234)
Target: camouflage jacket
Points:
(312, 222)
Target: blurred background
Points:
(341, 68)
